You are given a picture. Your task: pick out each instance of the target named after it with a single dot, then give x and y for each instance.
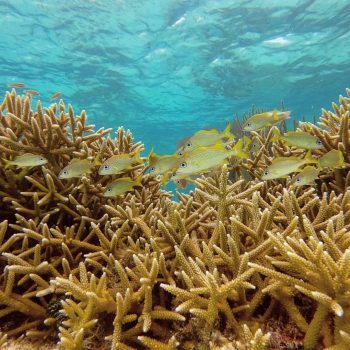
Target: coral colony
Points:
(239, 263)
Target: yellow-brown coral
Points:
(145, 272)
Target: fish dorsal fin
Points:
(310, 167)
(206, 132)
(218, 146)
(281, 159)
(309, 159)
(182, 142)
(259, 115)
(275, 114)
(227, 128)
(152, 155)
(136, 157)
(27, 154)
(120, 179)
(227, 132)
(116, 156)
(292, 133)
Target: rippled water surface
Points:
(167, 68)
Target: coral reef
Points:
(219, 269)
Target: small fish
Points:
(28, 160)
(32, 92)
(119, 163)
(55, 95)
(176, 176)
(306, 177)
(282, 166)
(261, 120)
(255, 146)
(121, 185)
(180, 183)
(300, 139)
(206, 138)
(332, 159)
(76, 168)
(16, 85)
(160, 165)
(204, 159)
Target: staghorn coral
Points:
(145, 272)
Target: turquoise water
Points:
(165, 69)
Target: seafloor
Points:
(238, 263)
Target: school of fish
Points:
(202, 153)
(28, 92)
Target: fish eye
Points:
(65, 172)
(152, 168)
(266, 173)
(319, 142)
(173, 175)
(180, 153)
(249, 124)
(106, 167)
(298, 179)
(183, 165)
(189, 144)
(41, 158)
(109, 189)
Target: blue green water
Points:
(165, 69)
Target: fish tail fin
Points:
(284, 115)
(276, 134)
(227, 132)
(309, 159)
(238, 150)
(97, 160)
(246, 142)
(7, 163)
(181, 184)
(138, 180)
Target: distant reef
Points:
(238, 263)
